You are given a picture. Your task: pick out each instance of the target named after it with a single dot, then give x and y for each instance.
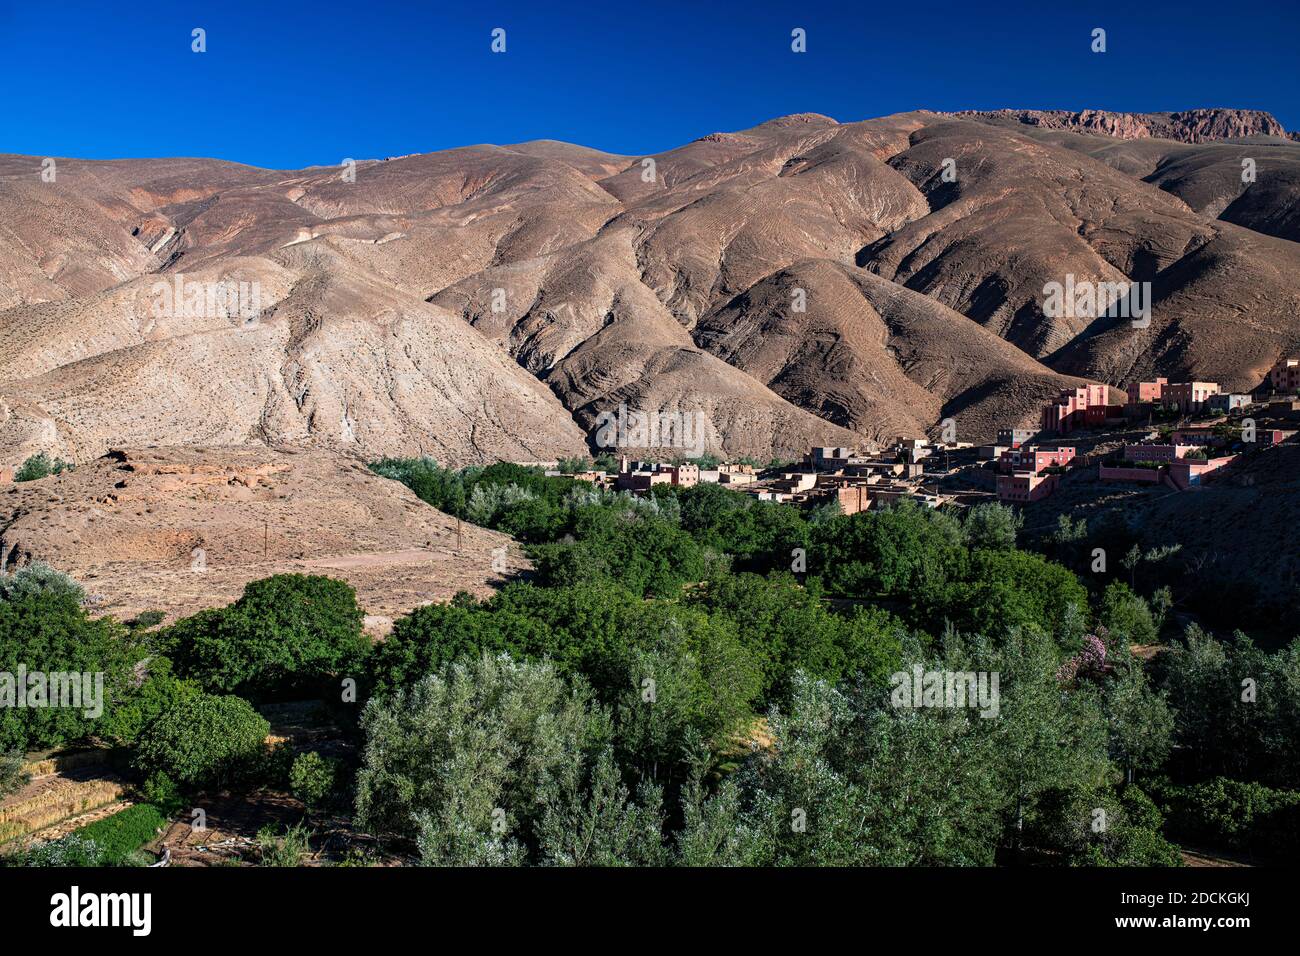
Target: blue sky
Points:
(290, 85)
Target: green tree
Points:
(458, 761)
(68, 659)
(992, 526)
(286, 633)
(315, 779)
(1127, 616)
(205, 741)
(906, 552)
(1141, 726)
(1006, 590)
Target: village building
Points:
(1188, 397)
(1142, 392)
(1015, 437)
(1228, 402)
(1177, 466)
(1025, 486)
(1084, 407)
(1034, 459)
(1285, 375)
(1029, 474)
(825, 458)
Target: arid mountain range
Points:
(802, 282)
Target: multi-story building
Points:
(1024, 486)
(1228, 402)
(1023, 477)
(1188, 397)
(1140, 392)
(853, 498)
(1285, 375)
(1015, 437)
(1083, 407)
(685, 475)
(826, 458)
(1033, 459)
(640, 476)
(641, 481)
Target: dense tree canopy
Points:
(203, 741)
(286, 632)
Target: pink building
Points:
(1196, 436)
(1189, 471)
(1189, 396)
(1181, 473)
(1025, 487)
(1185, 396)
(1146, 391)
(1157, 452)
(1285, 375)
(1150, 476)
(1034, 459)
(1083, 407)
(685, 475)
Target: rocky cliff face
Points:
(1187, 126)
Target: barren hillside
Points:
(180, 529)
(490, 302)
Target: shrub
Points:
(72, 850)
(41, 465)
(39, 578)
(315, 779)
(12, 776)
(161, 790)
(289, 848)
(204, 741)
(1236, 815)
(146, 619)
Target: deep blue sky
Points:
(290, 85)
